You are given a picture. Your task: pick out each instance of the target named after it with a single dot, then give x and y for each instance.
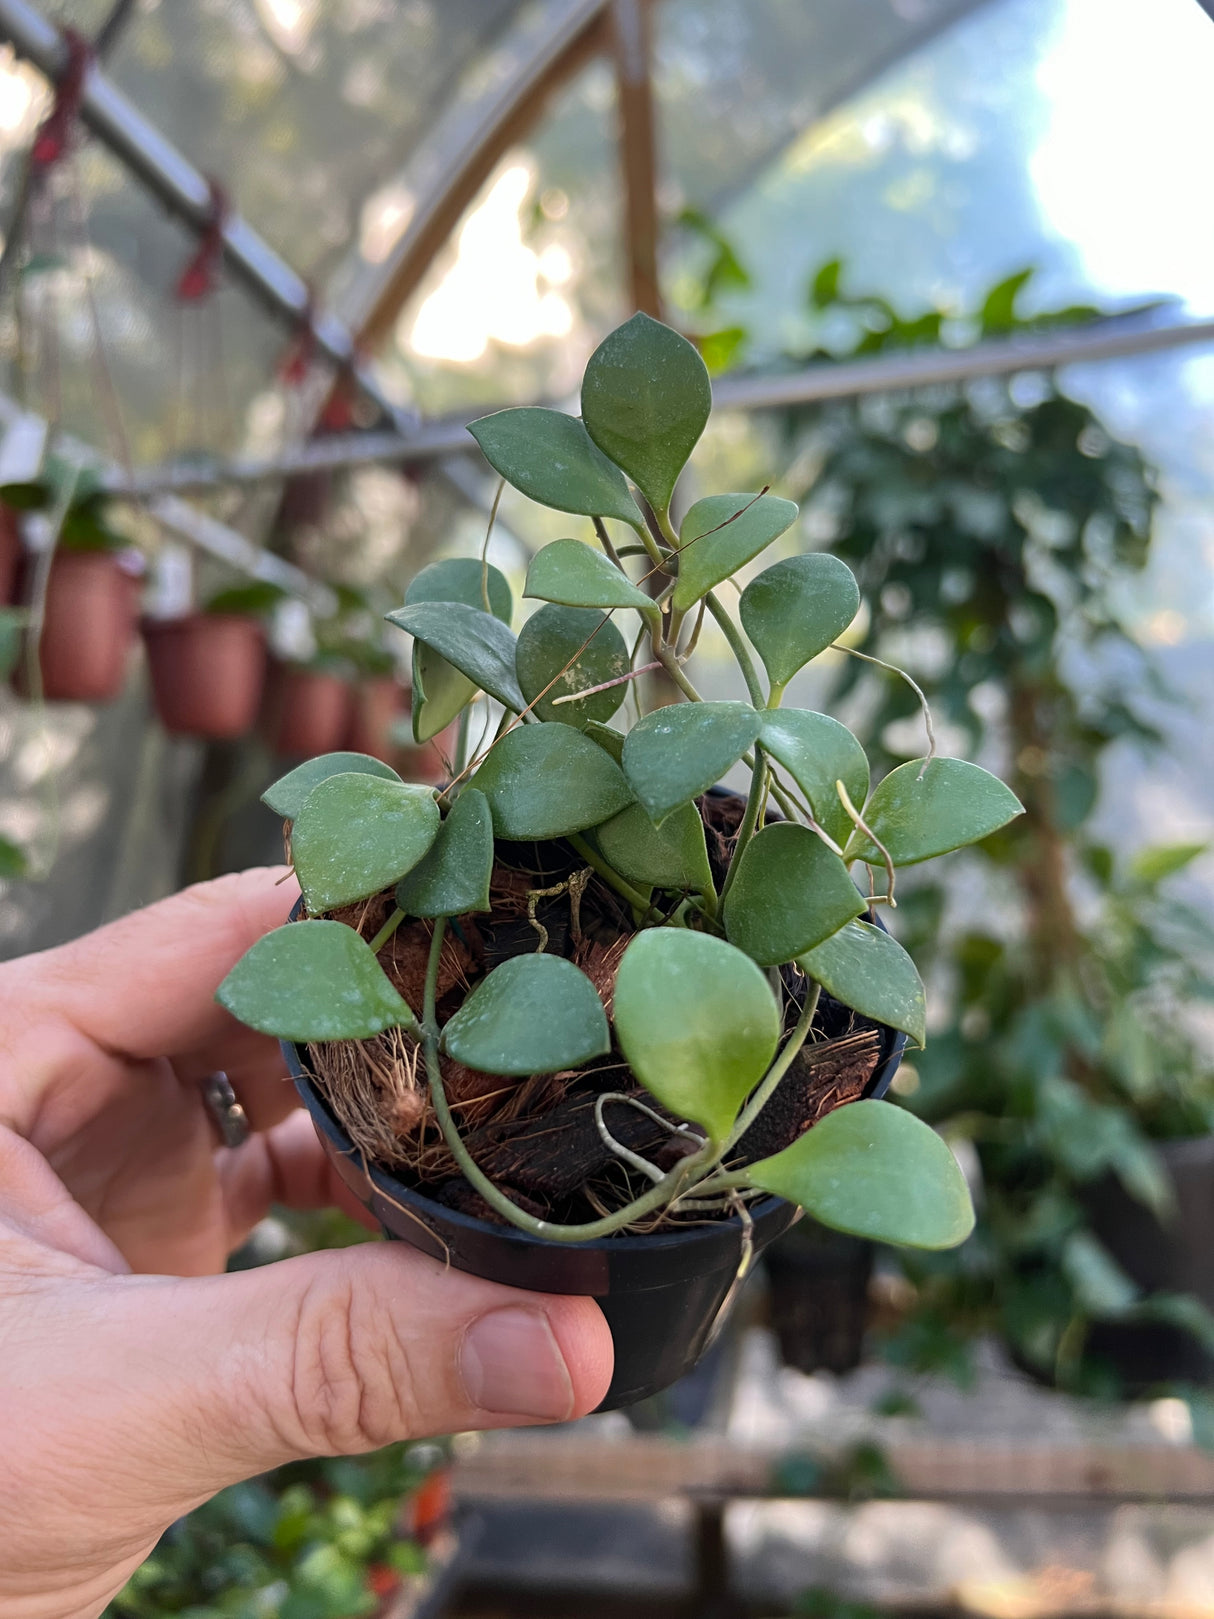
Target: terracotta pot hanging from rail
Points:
(88, 627)
(207, 671)
(306, 711)
(381, 705)
(10, 555)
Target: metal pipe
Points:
(847, 379)
(185, 192)
(890, 373)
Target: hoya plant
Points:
(729, 947)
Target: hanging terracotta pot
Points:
(306, 711)
(88, 626)
(379, 701)
(429, 761)
(10, 555)
(207, 673)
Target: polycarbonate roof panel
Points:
(736, 80)
(300, 107)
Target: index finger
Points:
(144, 986)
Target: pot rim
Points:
(391, 1186)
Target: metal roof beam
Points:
(186, 193)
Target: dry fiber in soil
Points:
(536, 1137)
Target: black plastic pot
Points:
(818, 1291)
(663, 1296)
(1171, 1257)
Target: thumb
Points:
(193, 1384)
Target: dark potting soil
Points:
(537, 1138)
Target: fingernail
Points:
(511, 1362)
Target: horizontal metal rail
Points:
(438, 440)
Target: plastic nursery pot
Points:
(1171, 1257)
(305, 711)
(663, 1295)
(818, 1297)
(207, 672)
(88, 627)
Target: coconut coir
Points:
(537, 1137)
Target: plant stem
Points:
(667, 530)
(738, 647)
(600, 528)
(386, 932)
(666, 1189)
(674, 669)
(461, 739)
(777, 1070)
(725, 1180)
(651, 545)
(746, 831)
(609, 875)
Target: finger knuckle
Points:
(348, 1375)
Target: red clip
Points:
(303, 346)
(197, 280)
(55, 132)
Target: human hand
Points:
(134, 1383)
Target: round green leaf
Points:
(549, 658)
(697, 1021)
(544, 781)
(12, 626)
(864, 968)
(645, 399)
(286, 797)
(570, 572)
(720, 534)
(532, 1015)
(875, 1171)
(796, 608)
(452, 877)
(463, 579)
(920, 812)
(608, 738)
(313, 981)
(479, 645)
(817, 752)
(552, 458)
(357, 834)
(440, 692)
(673, 855)
(13, 862)
(790, 892)
(676, 753)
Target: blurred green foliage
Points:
(317, 1540)
(997, 529)
(321, 1539)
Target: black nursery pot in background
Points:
(661, 1294)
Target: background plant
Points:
(996, 530)
(694, 1015)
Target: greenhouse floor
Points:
(1008, 1501)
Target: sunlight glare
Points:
(498, 289)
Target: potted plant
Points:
(208, 668)
(575, 1021)
(308, 706)
(91, 606)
